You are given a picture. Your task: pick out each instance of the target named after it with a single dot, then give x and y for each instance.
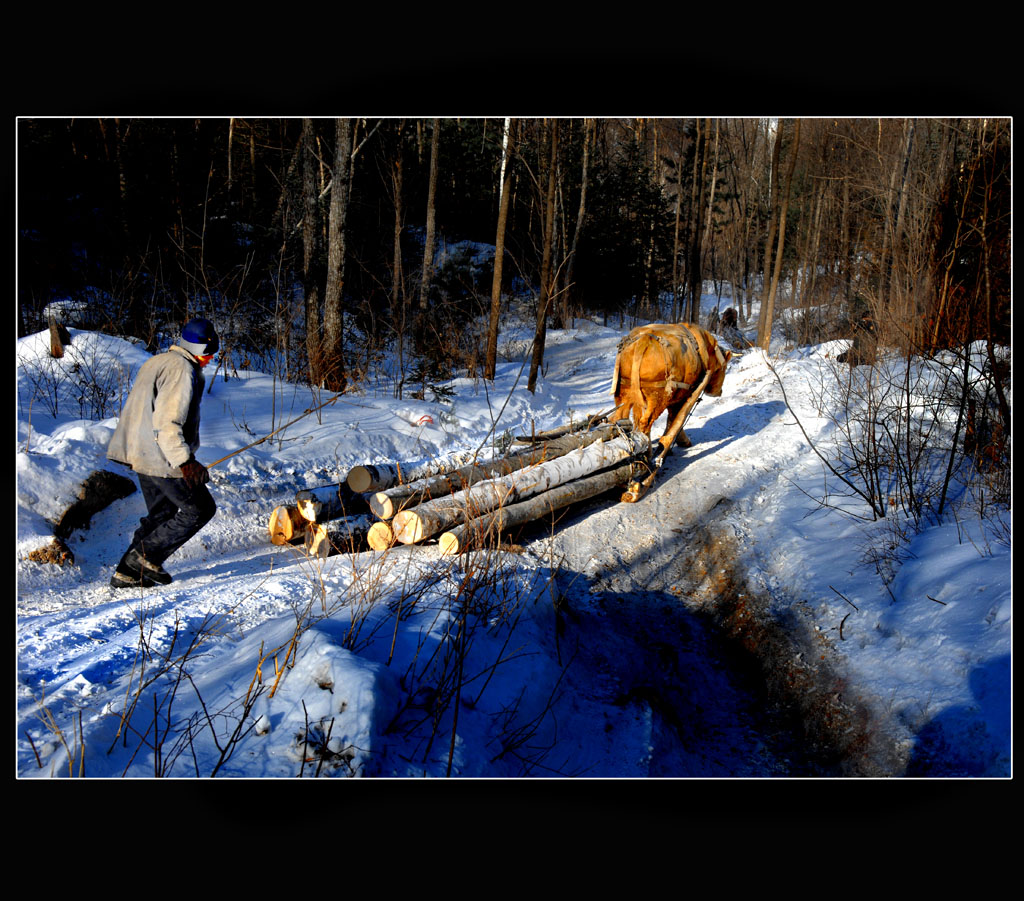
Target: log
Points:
(362, 479)
(59, 338)
(287, 525)
(329, 502)
(388, 503)
(435, 516)
(99, 490)
(579, 426)
(474, 532)
(381, 536)
(340, 535)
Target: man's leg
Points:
(193, 507)
(160, 508)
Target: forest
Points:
(321, 245)
(846, 527)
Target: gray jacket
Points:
(159, 425)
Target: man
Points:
(157, 436)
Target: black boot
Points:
(152, 570)
(134, 571)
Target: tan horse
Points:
(666, 366)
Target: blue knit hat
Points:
(199, 337)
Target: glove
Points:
(195, 473)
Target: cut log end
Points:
(286, 525)
(449, 543)
(360, 479)
(408, 527)
(380, 536)
(317, 543)
(382, 506)
(634, 491)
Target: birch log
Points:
(579, 426)
(329, 502)
(432, 517)
(349, 534)
(385, 475)
(474, 532)
(287, 525)
(389, 502)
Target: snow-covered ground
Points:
(260, 662)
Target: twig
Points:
(937, 601)
(845, 598)
(302, 415)
(32, 744)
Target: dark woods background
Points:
(153, 219)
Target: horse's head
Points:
(717, 361)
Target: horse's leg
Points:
(673, 415)
(676, 421)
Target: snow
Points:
(556, 659)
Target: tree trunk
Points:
(677, 308)
(499, 255)
(329, 502)
(396, 235)
(334, 344)
(399, 299)
(889, 290)
(389, 502)
(362, 479)
(310, 246)
(476, 531)
(433, 517)
(287, 525)
(428, 245)
(580, 214)
(545, 266)
(350, 535)
(707, 239)
(764, 328)
(694, 273)
(773, 213)
(59, 337)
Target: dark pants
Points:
(176, 512)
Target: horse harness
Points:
(669, 384)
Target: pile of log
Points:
(461, 505)
(97, 492)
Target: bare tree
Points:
(428, 245)
(310, 248)
(588, 130)
(334, 337)
(505, 180)
(545, 266)
(694, 276)
(764, 323)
